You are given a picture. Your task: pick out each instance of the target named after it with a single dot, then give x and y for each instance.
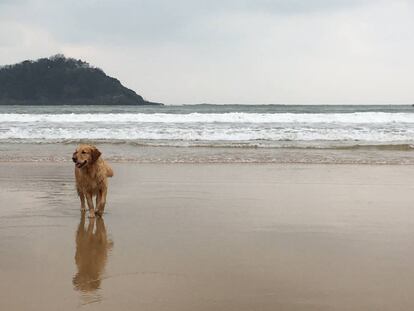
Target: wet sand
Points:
(210, 237)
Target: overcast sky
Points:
(227, 51)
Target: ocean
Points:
(213, 133)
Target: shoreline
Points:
(125, 153)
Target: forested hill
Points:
(62, 81)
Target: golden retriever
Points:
(91, 173)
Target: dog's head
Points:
(85, 155)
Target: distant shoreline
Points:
(149, 103)
(76, 103)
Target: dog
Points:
(91, 173)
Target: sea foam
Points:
(195, 127)
(232, 117)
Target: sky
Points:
(227, 51)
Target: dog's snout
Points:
(74, 158)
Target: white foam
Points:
(233, 117)
(362, 126)
(208, 134)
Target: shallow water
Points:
(120, 152)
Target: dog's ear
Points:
(95, 154)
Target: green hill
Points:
(62, 81)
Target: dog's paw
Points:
(83, 209)
(99, 213)
(91, 215)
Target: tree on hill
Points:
(60, 80)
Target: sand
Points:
(210, 237)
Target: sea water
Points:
(220, 133)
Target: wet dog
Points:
(91, 173)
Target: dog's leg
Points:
(97, 200)
(102, 201)
(98, 203)
(82, 199)
(90, 205)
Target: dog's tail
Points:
(109, 172)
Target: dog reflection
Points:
(91, 254)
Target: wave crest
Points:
(232, 117)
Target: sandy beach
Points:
(209, 237)
(262, 151)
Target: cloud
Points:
(148, 20)
(227, 51)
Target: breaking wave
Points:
(234, 129)
(232, 117)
